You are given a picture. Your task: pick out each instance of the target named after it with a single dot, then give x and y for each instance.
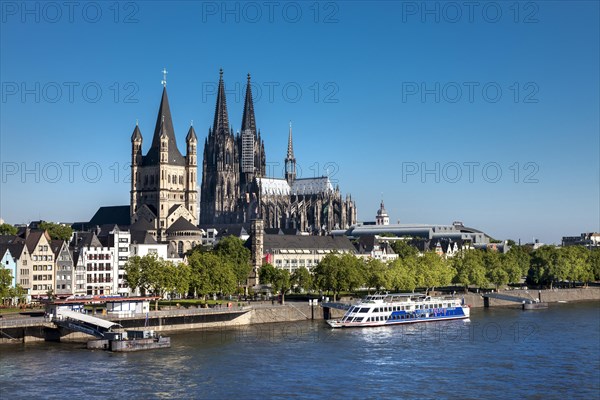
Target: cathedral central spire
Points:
(290, 161)
(221, 123)
(290, 150)
(248, 119)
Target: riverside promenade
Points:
(22, 329)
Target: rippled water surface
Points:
(499, 353)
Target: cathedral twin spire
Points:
(221, 123)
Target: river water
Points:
(499, 353)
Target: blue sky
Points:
(487, 114)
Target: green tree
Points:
(7, 229)
(183, 274)
(133, 273)
(200, 279)
(579, 268)
(494, 270)
(57, 231)
(302, 278)
(5, 284)
(433, 271)
(156, 276)
(511, 265)
(233, 250)
(522, 256)
(211, 274)
(18, 292)
(402, 274)
(353, 271)
(404, 249)
(338, 272)
(326, 273)
(376, 274)
(277, 277)
(470, 269)
(594, 262)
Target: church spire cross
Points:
(164, 80)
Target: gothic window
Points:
(145, 180)
(169, 178)
(181, 179)
(180, 247)
(152, 179)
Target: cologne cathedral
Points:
(235, 189)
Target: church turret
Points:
(192, 142)
(191, 191)
(164, 143)
(136, 146)
(290, 161)
(136, 162)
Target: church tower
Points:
(382, 217)
(162, 188)
(220, 188)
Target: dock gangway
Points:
(528, 304)
(81, 322)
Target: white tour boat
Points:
(394, 309)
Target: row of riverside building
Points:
(91, 263)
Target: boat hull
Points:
(140, 344)
(335, 323)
